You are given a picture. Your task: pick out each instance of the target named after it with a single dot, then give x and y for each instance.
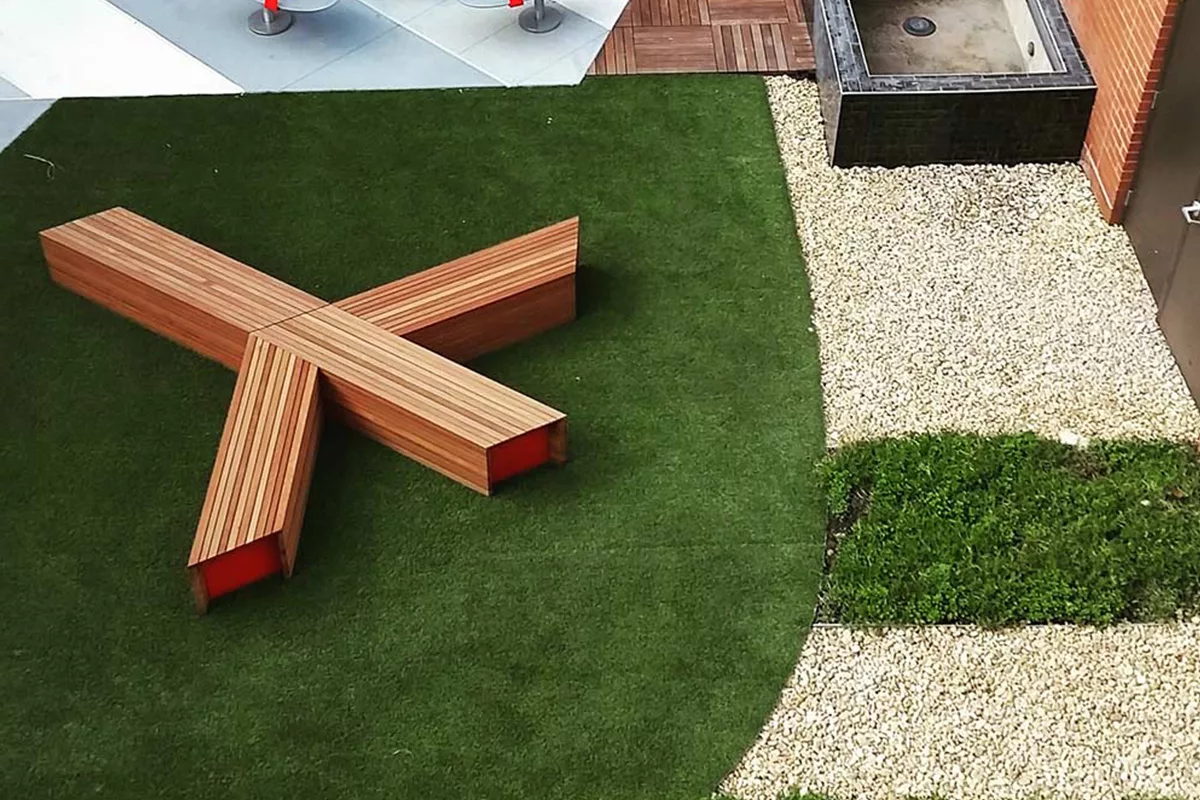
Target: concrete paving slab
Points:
(17, 115)
(215, 32)
(397, 60)
(513, 54)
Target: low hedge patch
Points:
(1007, 529)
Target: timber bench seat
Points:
(484, 301)
(431, 409)
(185, 291)
(384, 361)
(250, 523)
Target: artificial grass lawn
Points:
(1008, 529)
(616, 628)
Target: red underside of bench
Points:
(519, 455)
(242, 566)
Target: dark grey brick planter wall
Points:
(898, 120)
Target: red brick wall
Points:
(1125, 43)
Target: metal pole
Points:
(540, 19)
(270, 22)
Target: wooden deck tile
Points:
(684, 48)
(765, 36)
(617, 56)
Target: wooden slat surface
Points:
(413, 400)
(499, 324)
(747, 12)
(455, 398)
(472, 282)
(763, 36)
(264, 462)
(168, 283)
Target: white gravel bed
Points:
(974, 298)
(960, 712)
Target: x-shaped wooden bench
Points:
(384, 361)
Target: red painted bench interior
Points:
(240, 567)
(518, 455)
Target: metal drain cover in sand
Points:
(919, 26)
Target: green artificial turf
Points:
(1012, 529)
(617, 628)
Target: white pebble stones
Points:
(980, 299)
(958, 712)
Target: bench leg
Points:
(558, 442)
(199, 590)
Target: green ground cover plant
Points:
(1008, 529)
(617, 628)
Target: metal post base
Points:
(540, 19)
(270, 23)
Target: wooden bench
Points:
(250, 523)
(297, 355)
(481, 302)
(429, 408)
(185, 291)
